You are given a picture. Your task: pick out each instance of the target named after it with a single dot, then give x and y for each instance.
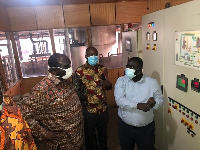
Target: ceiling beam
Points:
(29, 3)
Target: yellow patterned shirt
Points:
(88, 82)
(14, 131)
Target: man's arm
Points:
(81, 90)
(157, 100)
(106, 83)
(120, 96)
(32, 107)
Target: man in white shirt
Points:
(137, 95)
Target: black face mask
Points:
(138, 76)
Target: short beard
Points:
(138, 77)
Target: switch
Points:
(169, 110)
(192, 135)
(169, 104)
(191, 118)
(183, 113)
(148, 47)
(182, 120)
(187, 116)
(191, 126)
(196, 121)
(179, 110)
(186, 123)
(154, 47)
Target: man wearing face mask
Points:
(91, 81)
(53, 109)
(137, 95)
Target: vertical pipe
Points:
(67, 51)
(52, 41)
(12, 57)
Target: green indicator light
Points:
(173, 102)
(187, 111)
(192, 114)
(179, 106)
(184, 108)
(196, 117)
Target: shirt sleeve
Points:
(158, 96)
(81, 90)
(32, 107)
(120, 96)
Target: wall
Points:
(155, 5)
(61, 16)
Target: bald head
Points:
(59, 60)
(91, 51)
(135, 63)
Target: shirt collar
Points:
(86, 65)
(53, 78)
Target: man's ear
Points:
(86, 57)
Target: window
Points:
(34, 49)
(8, 61)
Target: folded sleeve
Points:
(158, 96)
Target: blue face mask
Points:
(93, 60)
(130, 73)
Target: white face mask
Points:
(69, 72)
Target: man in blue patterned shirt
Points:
(137, 95)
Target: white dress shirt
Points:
(129, 93)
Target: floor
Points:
(113, 140)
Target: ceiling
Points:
(28, 3)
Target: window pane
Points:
(8, 60)
(34, 48)
(71, 42)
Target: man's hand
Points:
(151, 102)
(143, 106)
(107, 84)
(49, 135)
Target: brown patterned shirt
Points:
(55, 106)
(88, 82)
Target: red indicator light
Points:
(196, 84)
(183, 81)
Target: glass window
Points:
(71, 42)
(34, 48)
(8, 61)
